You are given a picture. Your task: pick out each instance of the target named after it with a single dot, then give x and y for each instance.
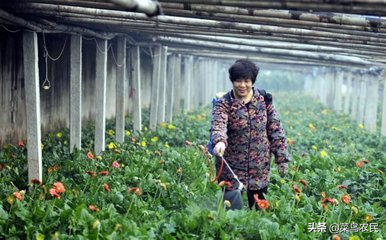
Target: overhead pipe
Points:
(149, 7)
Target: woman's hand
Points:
(219, 149)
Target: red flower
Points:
(359, 164)
(136, 190)
(91, 173)
(90, 155)
(36, 181)
(261, 203)
(93, 208)
(104, 173)
(21, 143)
(341, 186)
(296, 188)
(106, 187)
(328, 200)
(304, 182)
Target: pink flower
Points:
(90, 155)
(115, 164)
(54, 193)
(21, 143)
(18, 196)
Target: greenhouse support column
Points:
(196, 83)
(188, 83)
(362, 99)
(383, 124)
(76, 92)
(323, 89)
(348, 95)
(355, 96)
(32, 101)
(371, 107)
(155, 87)
(136, 80)
(171, 89)
(177, 85)
(120, 107)
(338, 91)
(162, 86)
(330, 90)
(100, 95)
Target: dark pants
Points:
(235, 198)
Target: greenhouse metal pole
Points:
(136, 80)
(170, 82)
(371, 108)
(383, 124)
(100, 95)
(155, 87)
(162, 86)
(76, 92)
(362, 99)
(120, 106)
(177, 85)
(32, 101)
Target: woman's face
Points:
(242, 87)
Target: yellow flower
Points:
(99, 157)
(128, 133)
(311, 126)
(166, 145)
(314, 147)
(145, 128)
(227, 203)
(368, 218)
(354, 238)
(143, 143)
(40, 236)
(96, 224)
(111, 145)
(11, 199)
(164, 185)
(155, 139)
(334, 128)
(360, 125)
(323, 154)
(298, 196)
(111, 132)
(59, 135)
(354, 209)
(199, 118)
(171, 127)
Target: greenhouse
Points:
(215, 119)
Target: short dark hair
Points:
(243, 69)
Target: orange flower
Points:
(53, 168)
(104, 173)
(106, 187)
(136, 190)
(335, 237)
(261, 203)
(328, 200)
(291, 142)
(225, 184)
(90, 155)
(54, 193)
(115, 164)
(18, 196)
(59, 187)
(359, 164)
(91, 173)
(346, 199)
(296, 188)
(93, 208)
(304, 182)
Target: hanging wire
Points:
(98, 48)
(46, 50)
(112, 52)
(9, 30)
(46, 84)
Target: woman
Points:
(245, 130)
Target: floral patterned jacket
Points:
(251, 133)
